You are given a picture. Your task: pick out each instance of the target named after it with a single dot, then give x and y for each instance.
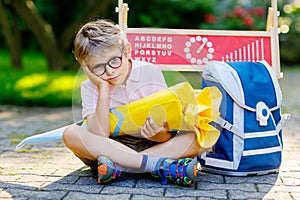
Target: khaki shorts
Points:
(135, 143)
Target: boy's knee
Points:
(68, 135)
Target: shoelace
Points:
(179, 178)
(117, 171)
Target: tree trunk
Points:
(43, 32)
(12, 36)
(94, 8)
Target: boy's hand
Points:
(153, 132)
(95, 79)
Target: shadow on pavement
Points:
(82, 184)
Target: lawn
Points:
(35, 85)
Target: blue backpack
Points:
(250, 122)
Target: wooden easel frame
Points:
(270, 32)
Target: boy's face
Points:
(111, 65)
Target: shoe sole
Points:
(102, 169)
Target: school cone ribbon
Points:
(177, 104)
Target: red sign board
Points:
(181, 49)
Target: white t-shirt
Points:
(144, 80)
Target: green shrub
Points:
(232, 15)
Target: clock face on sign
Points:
(198, 50)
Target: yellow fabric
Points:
(209, 101)
(164, 104)
(179, 106)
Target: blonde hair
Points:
(100, 35)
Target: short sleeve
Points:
(89, 96)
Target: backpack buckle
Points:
(262, 113)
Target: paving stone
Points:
(153, 192)
(260, 195)
(212, 178)
(91, 189)
(295, 195)
(85, 180)
(267, 179)
(278, 196)
(183, 193)
(247, 187)
(144, 183)
(143, 197)
(20, 193)
(70, 179)
(84, 196)
(130, 183)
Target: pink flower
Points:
(248, 21)
(239, 11)
(259, 11)
(210, 18)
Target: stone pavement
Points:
(51, 171)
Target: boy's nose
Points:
(109, 70)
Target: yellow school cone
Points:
(178, 106)
(208, 100)
(163, 105)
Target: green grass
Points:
(35, 85)
(174, 77)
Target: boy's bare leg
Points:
(181, 146)
(88, 146)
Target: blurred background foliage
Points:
(37, 64)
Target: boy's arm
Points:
(98, 123)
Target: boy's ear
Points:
(128, 50)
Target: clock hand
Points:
(201, 47)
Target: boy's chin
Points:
(116, 82)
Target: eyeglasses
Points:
(114, 63)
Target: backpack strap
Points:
(228, 126)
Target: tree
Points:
(55, 48)
(43, 32)
(11, 34)
(93, 9)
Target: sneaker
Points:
(107, 170)
(182, 171)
